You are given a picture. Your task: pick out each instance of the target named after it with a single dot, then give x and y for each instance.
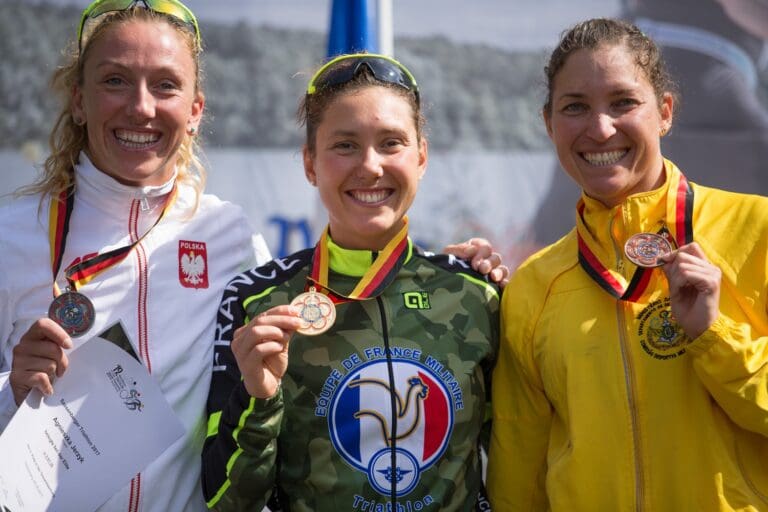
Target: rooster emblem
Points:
(417, 392)
(392, 420)
(193, 267)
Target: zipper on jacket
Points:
(392, 402)
(139, 205)
(144, 202)
(629, 377)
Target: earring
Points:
(663, 131)
(191, 130)
(79, 121)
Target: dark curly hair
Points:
(597, 32)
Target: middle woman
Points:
(355, 375)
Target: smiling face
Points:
(605, 122)
(138, 98)
(367, 163)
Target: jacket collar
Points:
(104, 192)
(646, 212)
(354, 262)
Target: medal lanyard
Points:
(380, 274)
(81, 273)
(680, 228)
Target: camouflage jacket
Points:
(400, 381)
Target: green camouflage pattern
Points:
(437, 314)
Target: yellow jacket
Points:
(602, 404)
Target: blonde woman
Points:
(118, 235)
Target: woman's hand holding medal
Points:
(694, 288)
(39, 358)
(261, 349)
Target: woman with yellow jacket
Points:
(633, 367)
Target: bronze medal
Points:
(316, 310)
(73, 311)
(644, 249)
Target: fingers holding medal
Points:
(261, 349)
(316, 310)
(646, 249)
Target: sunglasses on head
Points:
(173, 8)
(384, 69)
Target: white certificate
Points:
(106, 421)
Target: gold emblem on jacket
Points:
(660, 335)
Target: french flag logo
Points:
(372, 416)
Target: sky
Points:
(508, 24)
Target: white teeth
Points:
(607, 158)
(370, 196)
(136, 139)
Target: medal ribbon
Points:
(81, 273)
(380, 274)
(679, 211)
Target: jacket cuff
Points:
(263, 418)
(718, 331)
(258, 405)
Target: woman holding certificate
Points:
(634, 355)
(117, 235)
(354, 375)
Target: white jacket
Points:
(167, 311)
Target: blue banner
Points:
(351, 29)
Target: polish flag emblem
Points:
(193, 264)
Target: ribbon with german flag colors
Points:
(679, 227)
(380, 274)
(680, 204)
(81, 273)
